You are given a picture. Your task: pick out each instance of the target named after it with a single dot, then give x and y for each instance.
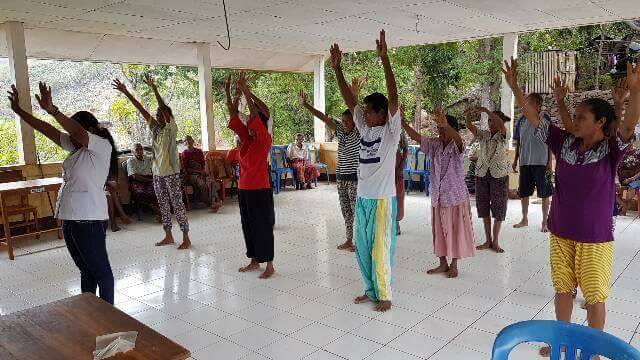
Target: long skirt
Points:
(453, 231)
(376, 244)
(305, 171)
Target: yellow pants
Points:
(588, 265)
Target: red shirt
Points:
(233, 156)
(193, 155)
(254, 173)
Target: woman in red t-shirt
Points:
(254, 194)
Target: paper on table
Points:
(112, 344)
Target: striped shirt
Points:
(348, 150)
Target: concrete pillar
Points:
(509, 49)
(319, 128)
(207, 122)
(19, 72)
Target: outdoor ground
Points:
(198, 298)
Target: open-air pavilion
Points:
(198, 299)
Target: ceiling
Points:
(276, 34)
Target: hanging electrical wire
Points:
(226, 20)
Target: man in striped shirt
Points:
(347, 169)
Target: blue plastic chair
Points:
(279, 167)
(311, 148)
(557, 334)
(417, 167)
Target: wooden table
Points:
(67, 330)
(27, 187)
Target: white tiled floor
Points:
(198, 298)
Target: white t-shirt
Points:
(84, 171)
(378, 147)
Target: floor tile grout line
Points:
(485, 313)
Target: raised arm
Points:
(148, 79)
(317, 113)
(392, 88)
(411, 132)
(232, 103)
(260, 105)
(242, 83)
(620, 95)
(43, 127)
(560, 90)
(441, 120)
(336, 62)
(632, 114)
(510, 72)
(78, 134)
(118, 85)
(468, 120)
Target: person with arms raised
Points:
(82, 205)
(254, 195)
(347, 167)
(588, 151)
(379, 124)
(451, 224)
(166, 163)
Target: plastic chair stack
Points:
(279, 167)
(416, 167)
(576, 339)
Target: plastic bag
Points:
(112, 344)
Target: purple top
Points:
(446, 187)
(585, 185)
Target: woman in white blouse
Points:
(82, 205)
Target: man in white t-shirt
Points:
(379, 124)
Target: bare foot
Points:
(485, 246)
(185, 245)
(347, 245)
(453, 272)
(521, 224)
(268, 272)
(166, 241)
(495, 247)
(544, 228)
(253, 265)
(361, 299)
(126, 220)
(115, 228)
(440, 269)
(545, 351)
(383, 306)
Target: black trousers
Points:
(86, 242)
(257, 217)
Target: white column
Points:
(509, 49)
(207, 122)
(319, 129)
(19, 71)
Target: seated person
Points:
(113, 202)
(141, 179)
(298, 156)
(194, 166)
(629, 177)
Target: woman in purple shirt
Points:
(588, 152)
(452, 226)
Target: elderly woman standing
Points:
(166, 164)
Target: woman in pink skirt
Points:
(450, 209)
